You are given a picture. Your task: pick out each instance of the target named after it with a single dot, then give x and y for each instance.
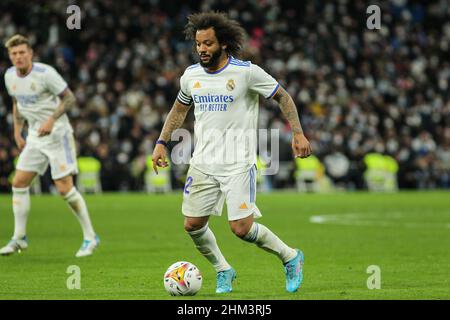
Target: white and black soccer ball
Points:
(182, 279)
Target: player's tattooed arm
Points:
(174, 120)
(19, 121)
(68, 102)
(300, 144)
(289, 109)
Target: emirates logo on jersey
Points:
(231, 85)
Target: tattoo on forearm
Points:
(174, 120)
(18, 119)
(289, 110)
(68, 102)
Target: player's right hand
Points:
(301, 146)
(20, 143)
(159, 157)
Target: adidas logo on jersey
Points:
(197, 85)
(243, 206)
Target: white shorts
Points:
(57, 150)
(205, 195)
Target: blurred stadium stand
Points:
(358, 90)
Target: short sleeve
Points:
(261, 82)
(55, 83)
(184, 95)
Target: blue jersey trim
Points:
(252, 184)
(240, 62)
(67, 150)
(38, 69)
(33, 68)
(240, 65)
(221, 69)
(274, 91)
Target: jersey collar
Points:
(221, 69)
(25, 75)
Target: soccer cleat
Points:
(294, 272)
(224, 280)
(88, 247)
(14, 246)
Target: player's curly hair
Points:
(228, 32)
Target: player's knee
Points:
(64, 189)
(190, 226)
(64, 185)
(241, 227)
(20, 182)
(240, 230)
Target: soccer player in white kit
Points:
(225, 93)
(41, 97)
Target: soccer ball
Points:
(182, 279)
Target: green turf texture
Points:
(406, 234)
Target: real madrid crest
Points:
(231, 85)
(33, 86)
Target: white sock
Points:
(21, 209)
(206, 243)
(79, 208)
(267, 240)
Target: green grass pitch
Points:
(406, 234)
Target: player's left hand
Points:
(47, 127)
(301, 146)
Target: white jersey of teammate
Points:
(226, 114)
(37, 96)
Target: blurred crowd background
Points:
(357, 90)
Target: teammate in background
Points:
(224, 92)
(41, 97)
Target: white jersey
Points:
(226, 114)
(37, 96)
